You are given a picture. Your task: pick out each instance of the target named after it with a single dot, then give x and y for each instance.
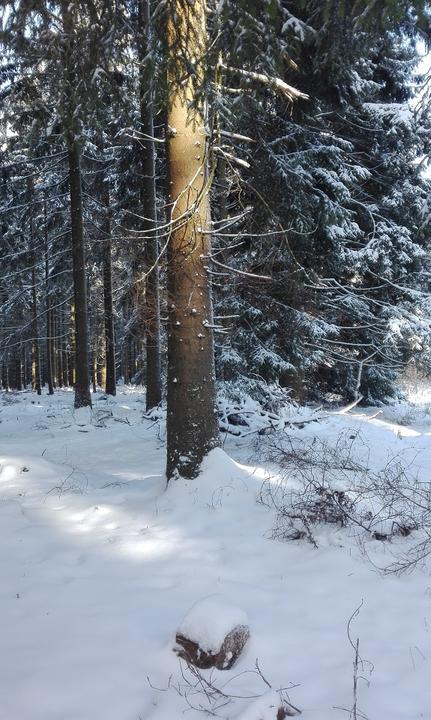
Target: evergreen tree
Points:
(340, 254)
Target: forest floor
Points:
(99, 562)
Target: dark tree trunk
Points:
(54, 364)
(48, 315)
(35, 331)
(192, 427)
(94, 370)
(27, 365)
(110, 379)
(132, 359)
(60, 356)
(149, 212)
(71, 123)
(4, 374)
(17, 369)
(71, 351)
(49, 346)
(82, 379)
(64, 348)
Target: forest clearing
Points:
(106, 562)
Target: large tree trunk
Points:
(149, 213)
(192, 428)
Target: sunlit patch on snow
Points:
(8, 472)
(399, 430)
(111, 526)
(149, 548)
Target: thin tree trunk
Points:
(35, 330)
(49, 347)
(23, 361)
(63, 346)
(48, 314)
(82, 376)
(5, 373)
(36, 373)
(71, 372)
(192, 428)
(27, 366)
(82, 379)
(149, 212)
(17, 367)
(132, 359)
(54, 345)
(110, 379)
(94, 370)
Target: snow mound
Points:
(218, 463)
(210, 620)
(269, 706)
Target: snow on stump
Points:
(212, 634)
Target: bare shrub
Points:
(360, 668)
(205, 692)
(322, 483)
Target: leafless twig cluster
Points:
(323, 483)
(359, 667)
(204, 692)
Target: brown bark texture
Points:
(192, 427)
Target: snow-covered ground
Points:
(99, 563)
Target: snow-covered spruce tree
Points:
(134, 174)
(331, 181)
(60, 49)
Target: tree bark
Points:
(37, 384)
(17, 366)
(48, 314)
(71, 347)
(5, 373)
(54, 346)
(49, 348)
(192, 427)
(82, 376)
(149, 213)
(110, 379)
(35, 343)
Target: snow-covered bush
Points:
(246, 406)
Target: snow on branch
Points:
(275, 83)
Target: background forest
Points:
(214, 296)
(318, 129)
